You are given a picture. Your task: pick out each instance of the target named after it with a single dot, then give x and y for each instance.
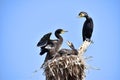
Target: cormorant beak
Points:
(63, 32)
(81, 15)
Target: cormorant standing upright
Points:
(87, 27)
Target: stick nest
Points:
(70, 67)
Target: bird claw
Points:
(87, 39)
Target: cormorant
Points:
(71, 51)
(87, 27)
(51, 46)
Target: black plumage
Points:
(43, 43)
(51, 46)
(87, 27)
(44, 40)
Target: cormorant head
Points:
(83, 14)
(60, 31)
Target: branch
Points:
(82, 49)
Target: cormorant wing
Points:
(44, 40)
(51, 44)
(54, 41)
(64, 52)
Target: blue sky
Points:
(24, 22)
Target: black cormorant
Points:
(51, 46)
(87, 27)
(54, 45)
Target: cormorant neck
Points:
(87, 17)
(58, 36)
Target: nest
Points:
(67, 67)
(70, 67)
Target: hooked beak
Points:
(63, 31)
